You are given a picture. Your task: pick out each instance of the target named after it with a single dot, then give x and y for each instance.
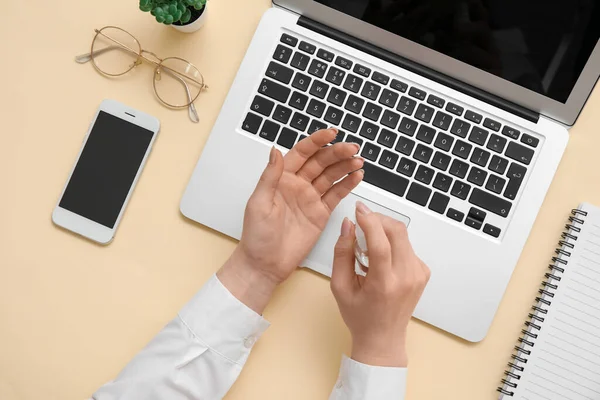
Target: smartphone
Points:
(113, 155)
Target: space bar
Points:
(385, 179)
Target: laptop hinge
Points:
(416, 68)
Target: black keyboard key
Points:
(380, 78)
(439, 202)
(490, 202)
(426, 134)
(442, 120)
(473, 116)
(417, 93)
(491, 230)
(325, 55)
(462, 149)
(282, 114)
(407, 166)
(441, 160)
(354, 104)
(339, 137)
(390, 119)
(299, 121)
(480, 157)
(491, 124)
(418, 194)
(459, 168)
(371, 91)
(262, 106)
(498, 165)
(530, 140)
(351, 123)
(252, 123)
(387, 138)
(269, 130)
(353, 83)
(287, 138)
(385, 179)
(424, 113)
(454, 109)
(460, 128)
(317, 108)
(369, 130)
(398, 85)
(298, 100)
(274, 90)
(444, 142)
(455, 215)
(473, 223)
(343, 62)
(279, 72)
(388, 98)
(436, 101)
(301, 82)
(362, 70)
(370, 151)
(300, 61)
(442, 182)
(423, 153)
(478, 135)
(317, 68)
(424, 174)
(477, 214)
(289, 40)
(510, 132)
(519, 153)
(307, 47)
(334, 115)
(319, 89)
(282, 54)
(388, 159)
(477, 176)
(497, 143)
(316, 126)
(405, 146)
(460, 190)
(516, 174)
(406, 105)
(408, 126)
(372, 111)
(336, 96)
(335, 76)
(354, 139)
(495, 184)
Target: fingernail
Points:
(357, 147)
(272, 156)
(334, 130)
(346, 227)
(362, 208)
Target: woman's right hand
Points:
(377, 308)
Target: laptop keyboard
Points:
(417, 145)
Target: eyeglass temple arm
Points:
(191, 108)
(87, 57)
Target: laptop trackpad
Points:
(321, 257)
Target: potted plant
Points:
(184, 15)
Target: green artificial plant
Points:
(171, 11)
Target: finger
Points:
(269, 180)
(397, 234)
(342, 276)
(340, 190)
(326, 157)
(305, 149)
(335, 172)
(378, 245)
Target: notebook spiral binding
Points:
(544, 300)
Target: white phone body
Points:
(88, 226)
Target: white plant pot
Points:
(194, 26)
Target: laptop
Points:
(461, 109)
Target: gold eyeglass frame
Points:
(157, 62)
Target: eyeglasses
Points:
(177, 82)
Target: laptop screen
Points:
(542, 45)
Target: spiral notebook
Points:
(558, 355)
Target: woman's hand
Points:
(287, 213)
(377, 308)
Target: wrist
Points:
(382, 353)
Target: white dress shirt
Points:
(200, 354)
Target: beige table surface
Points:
(72, 314)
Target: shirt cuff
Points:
(222, 322)
(362, 381)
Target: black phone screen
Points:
(106, 169)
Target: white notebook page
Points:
(564, 363)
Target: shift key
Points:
(489, 202)
(384, 179)
(274, 90)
